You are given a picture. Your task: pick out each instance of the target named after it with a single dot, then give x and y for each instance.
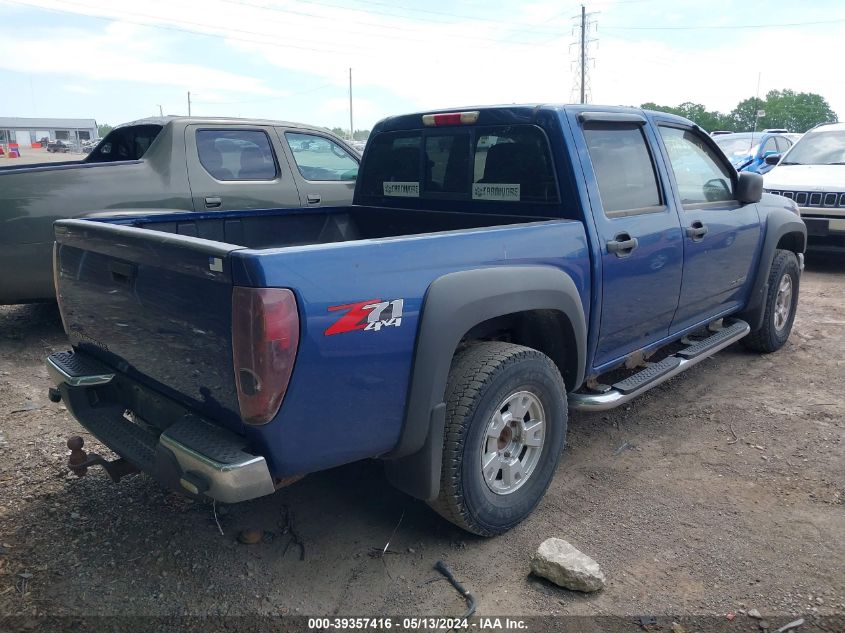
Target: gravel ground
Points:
(718, 492)
(32, 156)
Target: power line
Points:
(388, 27)
(265, 99)
(721, 26)
(168, 27)
(373, 53)
(529, 27)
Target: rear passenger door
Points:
(720, 234)
(325, 171)
(237, 168)
(639, 234)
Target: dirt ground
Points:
(31, 156)
(718, 492)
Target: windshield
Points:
(818, 148)
(738, 144)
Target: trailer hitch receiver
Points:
(79, 461)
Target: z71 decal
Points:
(369, 316)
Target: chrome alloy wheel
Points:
(513, 442)
(783, 302)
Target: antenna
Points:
(351, 127)
(757, 109)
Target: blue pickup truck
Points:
(498, 266)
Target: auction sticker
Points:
(402, 189)
(488, 191)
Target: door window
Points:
(769, 146)
(701, 177)
(236, 154)
(783, 144)
(318, 158)
(624, 170)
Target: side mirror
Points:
(772, 158)
(749, 187)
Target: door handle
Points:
(697, 230)
(313, 198)
(622, 245)
(213, 202)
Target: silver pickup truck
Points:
(169, 164)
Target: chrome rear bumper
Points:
(191, 454)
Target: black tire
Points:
(483, 376)
(769, 337)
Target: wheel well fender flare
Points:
(453, 305)
(781, 226)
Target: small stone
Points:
(677, 628)
(411, 550)
(250, 536)
(566, 566)
(754, 613)
(819, 600)
(74, 515)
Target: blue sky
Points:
(119, 60)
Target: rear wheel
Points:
(505, 429)
(781, 301)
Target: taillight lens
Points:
(265, 337)
(56, 276)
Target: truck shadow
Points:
(825, 262)
(31, 321)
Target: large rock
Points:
(564, 565)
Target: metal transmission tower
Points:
(581, 77)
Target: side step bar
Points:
(628, 389)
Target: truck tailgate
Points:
(156, 306)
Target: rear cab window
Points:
(130, 142)
(481, 165)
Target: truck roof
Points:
(216, 120)
(514, 113)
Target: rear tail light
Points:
(57, 273)
(450, 118)
(265, 337)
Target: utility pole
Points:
(581, 83)
(351, 128)
(756, 107)
(189, 103)
(160, 111)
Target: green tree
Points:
(361, 135)
(744, 114)
(697, 113)
(794, 111)
(104, 129)
(797, 112)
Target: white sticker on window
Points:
(487, 191)
(402, 189)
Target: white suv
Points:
(812, 173)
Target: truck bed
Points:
(152, 298)
(279, 228)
